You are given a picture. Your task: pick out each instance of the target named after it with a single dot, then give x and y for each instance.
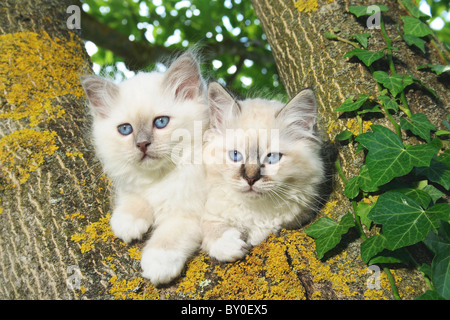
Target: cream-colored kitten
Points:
(263, 170)
(144, 132)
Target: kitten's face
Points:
(135, 121)
(258, 151)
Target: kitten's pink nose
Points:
(251, 181)
(143, 146)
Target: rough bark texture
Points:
(55, 240)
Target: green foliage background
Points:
(196, 22)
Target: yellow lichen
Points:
(131, 289)
(195, 276)
(306, 5)
(76, 215)
(352, 125)
(95, 232)
(23, 151)
(135, 253)
(34, 70)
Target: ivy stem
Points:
(337, 165)
(347, 41)
(392, 282)
(396, 125)
(405, 108)
(358, 223)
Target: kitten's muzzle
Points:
(143, 146)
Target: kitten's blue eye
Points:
(273, 158)
(125, 129)
(161, 122)
(236, 156)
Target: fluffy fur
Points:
(157, 184)
(250, 198)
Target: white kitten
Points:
(263, 168)
(137, 129)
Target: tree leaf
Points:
(349, 105)
(327, 233)
(395, 83)
(362, 211)
(366, 56)
(362, 38)
(388, 157)
(438, 171)
(414, 10)
(430, 295)
(415, 27)
(440, 267)
(365, 181)
(404, 221)
(388, 103)
(436, 68)
(372, 246)
(344, 135)
(352, 187)
(416, 41)
(360, 11)
(419, 125)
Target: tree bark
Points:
(55, 240)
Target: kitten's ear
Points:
(222, 105)
(300, 112)
(184, 78)
(101, 94)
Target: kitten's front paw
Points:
(161, 266)
(128, 227)
(229, 247)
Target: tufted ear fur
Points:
(299, 114)
(222, 105)
(184, 78)
(101, 94)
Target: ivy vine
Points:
(406, 184)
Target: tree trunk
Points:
(55, 240)
(306, 58)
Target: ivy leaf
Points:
(419, 125)
(327, 233)
(362, 211)
(440, 267)
(439, 170)
(366, 56)
(404, 222)
(352, 187)
(388, 103)
(414, 10)
(349, 105)
(344, 135)
(430, 295)
(365, 181)
(421, 197)
(362, 38)
(415, 27)
(416, 41)
(436, 68)
(372, 246)
(360, 11)
(388, 157)
(434, 193)
(395, 83)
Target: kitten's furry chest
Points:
(259, 212)
(181, 190)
